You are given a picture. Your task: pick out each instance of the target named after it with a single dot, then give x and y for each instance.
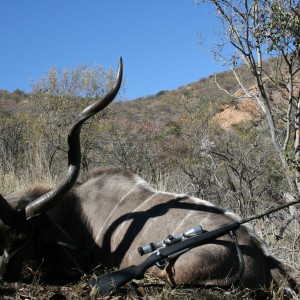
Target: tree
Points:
(264, 35)
(233, 167)
(56, 100)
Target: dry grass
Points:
(34, 174)
(148, 288)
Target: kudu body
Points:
(104, 218)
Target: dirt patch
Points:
(244, 111)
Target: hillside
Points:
(9, 101)
(165, 105)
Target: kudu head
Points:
(19, 219)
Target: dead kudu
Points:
(105, 218)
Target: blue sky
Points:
(158, 40)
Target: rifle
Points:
(114, 280)
(170, 248)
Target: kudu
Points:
(104, 218)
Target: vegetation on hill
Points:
(9, 101)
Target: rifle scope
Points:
(171, 239)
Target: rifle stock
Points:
(114, 280)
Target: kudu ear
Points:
(52, 198)
(8, 215)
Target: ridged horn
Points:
(52, 198)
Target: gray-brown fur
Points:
(126, 225)
(113, 212)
